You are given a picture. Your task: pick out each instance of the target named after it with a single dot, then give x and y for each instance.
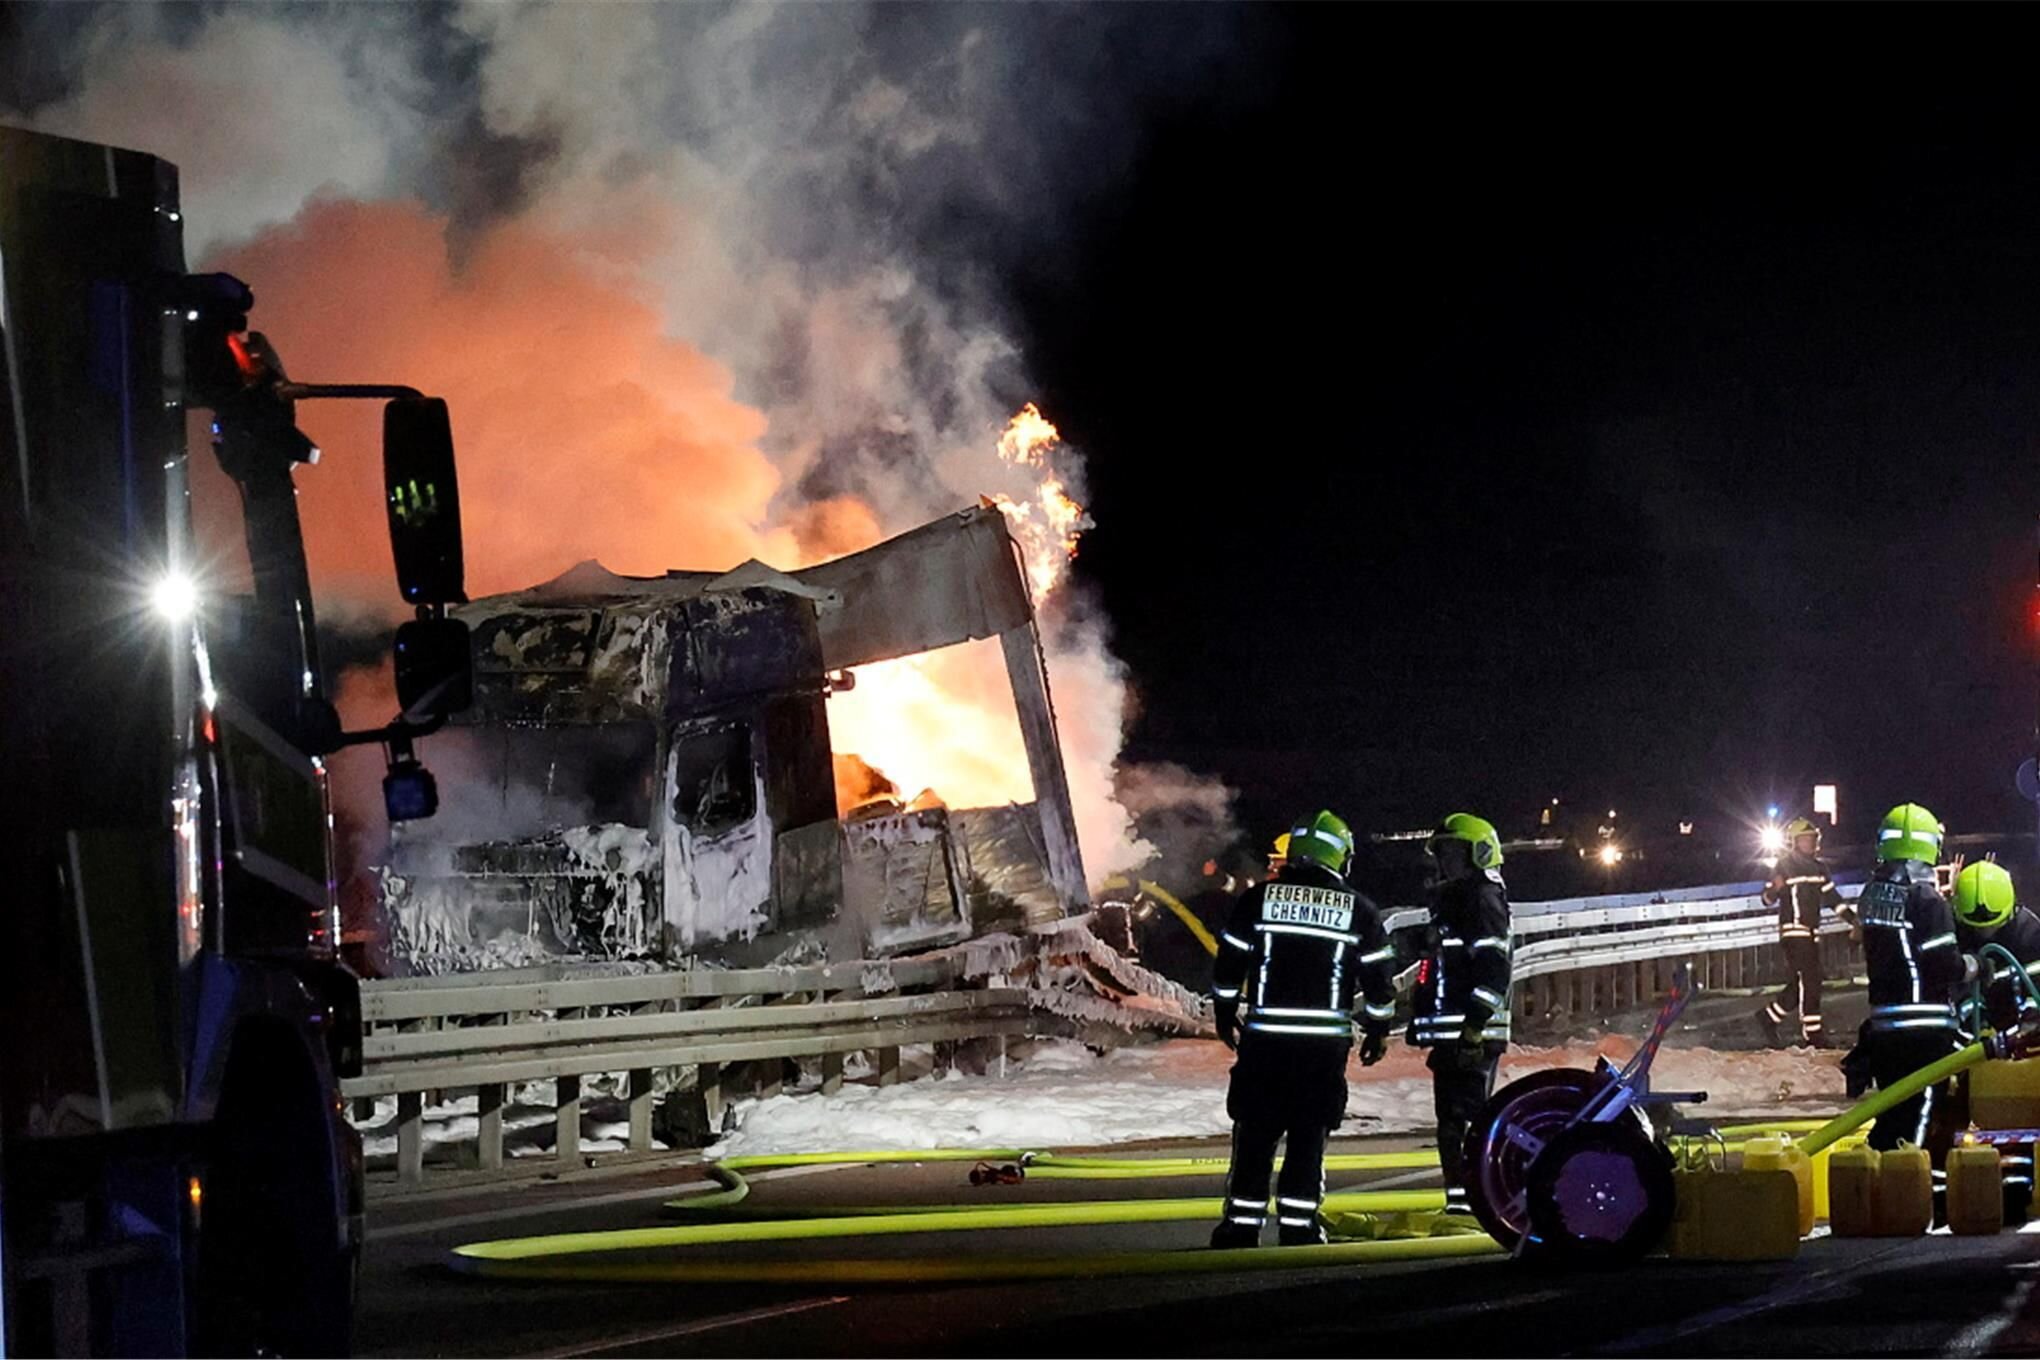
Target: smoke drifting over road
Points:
(701, 283)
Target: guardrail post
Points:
(888, 1065)
(832, 1073)
(567, 1118)
(641, 1109)
(411, 1137)
(708, 1082)
(364, 1109)
(489, 1127)
(769, 1077)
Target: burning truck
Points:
(657, 780)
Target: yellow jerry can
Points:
(1976, 1190)
(1905, 1193)
(1776, 1152)
(1852, 1191)
(1735, 1215)
(2005, 1095)
(1819, 1166)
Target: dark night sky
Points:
(1487, 405)
(1632, 404)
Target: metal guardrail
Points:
(1598, 954)
(487, 1032)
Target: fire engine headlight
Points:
(174, 597)
(1611, 855)
(1771, 839)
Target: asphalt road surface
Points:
(1929, 1296)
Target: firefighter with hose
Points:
(1987, 912)
(1915, 968)
(1462, 1001)
(1297, 955)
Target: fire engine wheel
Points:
(1600, 1194)
(1517, 1123)
(274, 1275)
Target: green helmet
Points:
(1984, 896)
(1482, 840)
(1323, 840)
(1910, 832)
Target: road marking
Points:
(1979, 1336)
(712, 1324)
(587, 1202)
(1791, 1292)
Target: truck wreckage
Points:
(659, 789)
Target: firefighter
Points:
(1800, 888)
(1290, 961)
(1910, 952)
(1987, 912)
(1462, 1001)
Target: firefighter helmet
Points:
(1321, 839)
(1483, 842)
(1984, 897)
(1802, 826)
(1910, 832)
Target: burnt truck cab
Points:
(178, 1176)
(654, 777)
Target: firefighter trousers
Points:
(1461, 1081)
(1891, 1056)
(1801, 991)
(1302, 1186)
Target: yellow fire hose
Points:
(550, 1257)
(1390, 1225)
(1865, 1111)
(1168, 899)
(1381, 1225)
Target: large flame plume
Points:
(670, 333)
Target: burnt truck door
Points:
(748, 831)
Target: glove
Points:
(1373, 1047)
(1226, 1014)
(1470, 1053)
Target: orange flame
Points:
(944, 721)
(1049, 524)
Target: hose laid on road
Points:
(1399, 1225)
(561, 1257)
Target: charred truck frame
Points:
(692, 710)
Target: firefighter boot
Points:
(1229, 1235)
(1298, 1235)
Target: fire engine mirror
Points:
(423, 497)
(435, 672)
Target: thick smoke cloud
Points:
(701, 282)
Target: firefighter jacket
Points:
(1299, 952)
(1909, 950)
(2005, 1000)
(1464, 979)
(1799, 890)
